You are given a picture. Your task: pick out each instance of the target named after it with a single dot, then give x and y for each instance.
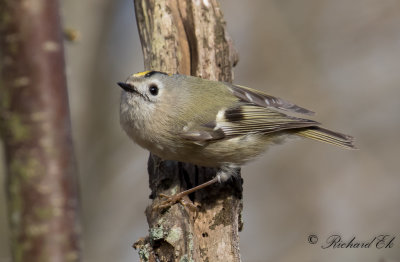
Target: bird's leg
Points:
(171, 200)
(224, 174)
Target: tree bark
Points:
(35, 127)
(189, 37)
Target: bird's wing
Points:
(245, 118)
(261, 99)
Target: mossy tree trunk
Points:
(35, 128)
(189, 37)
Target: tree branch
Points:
(35, 127)
(189, 37)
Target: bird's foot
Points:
(172, 200)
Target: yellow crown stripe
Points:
(141, 73)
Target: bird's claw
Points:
(171, 200)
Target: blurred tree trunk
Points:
(189, 37)
(35, 127)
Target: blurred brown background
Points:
(338, 58)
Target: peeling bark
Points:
(189, 37)
(35, 128)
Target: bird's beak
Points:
(127, 87)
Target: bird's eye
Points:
(153, 89)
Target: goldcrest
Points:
(210, 123)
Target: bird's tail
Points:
(327, 136)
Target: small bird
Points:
(210, 123)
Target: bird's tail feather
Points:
(327, 136)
